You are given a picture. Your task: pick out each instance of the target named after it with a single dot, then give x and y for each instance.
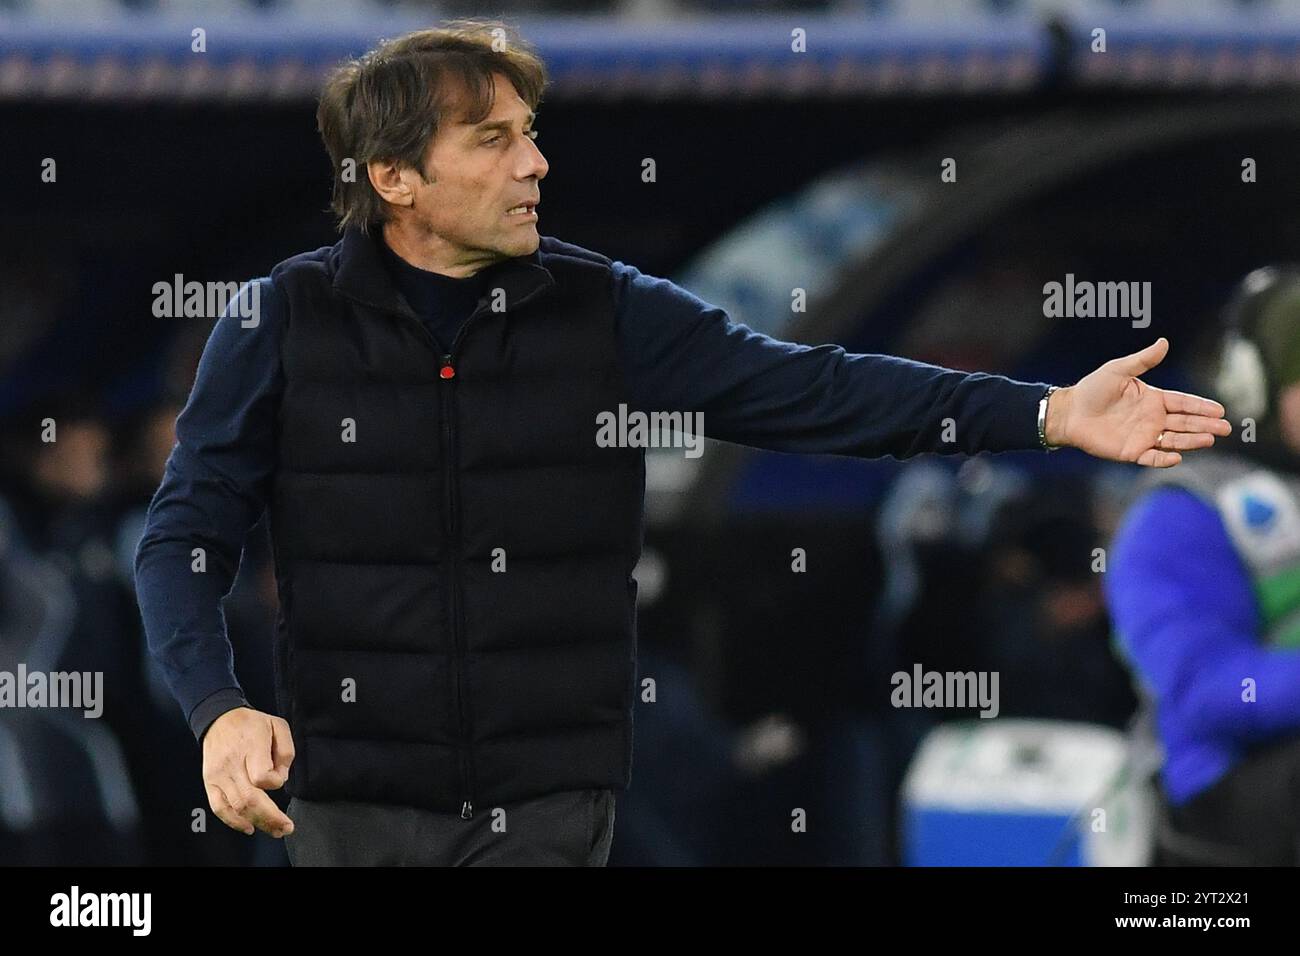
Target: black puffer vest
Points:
(453, 549)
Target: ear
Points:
(391, 182)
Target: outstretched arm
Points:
(683, 355)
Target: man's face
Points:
(1288, 411)
(477, 173)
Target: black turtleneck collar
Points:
(442, 302)
(357, 262)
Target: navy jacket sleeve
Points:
(213, 491)
(1185, 612)
(681, 354)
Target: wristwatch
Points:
(1042, 419)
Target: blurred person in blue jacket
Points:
(1204, 590)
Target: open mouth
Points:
(526, 210)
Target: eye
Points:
(492, 139)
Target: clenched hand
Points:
(246, 753)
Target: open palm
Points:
(1113, 414)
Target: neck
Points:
(431, 252)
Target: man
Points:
(1204, 591)
(417, 406)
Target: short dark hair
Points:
(389, 104)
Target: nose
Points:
(535, 163)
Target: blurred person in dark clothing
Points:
(53, 478)
(55, 454)
(1042, 615)
(69, 509)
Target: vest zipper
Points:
(450, 461)
(448, 374)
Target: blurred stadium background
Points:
(776, 170)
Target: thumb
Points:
(257, 764)
(1148, 358)
(282, 750)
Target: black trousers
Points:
(1248, 817)
(573, 828)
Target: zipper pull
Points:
(447, 370)
(467, 810)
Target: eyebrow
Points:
(500, 124)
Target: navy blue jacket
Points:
(677, 351)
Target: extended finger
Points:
(261, 810)
(1197, 424)
(1183, 441)
(1154, 458)
(221, 807)
(1191, 404)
